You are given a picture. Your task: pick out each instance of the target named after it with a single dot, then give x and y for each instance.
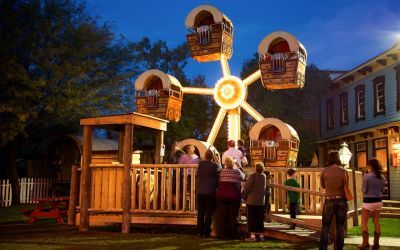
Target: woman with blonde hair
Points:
(228, 200)
(254, 195)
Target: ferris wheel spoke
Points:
(252, 78)
(198, 91)
(234, 124)
(217, 125)
(251, 111)
(225, 66)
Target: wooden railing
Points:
(312, 194)
(155, 188)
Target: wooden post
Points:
(121, 136)
(85, 194)
(126, 179)
(73, 195)
(159, 144)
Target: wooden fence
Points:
(311, 202)
(155, 187)
(31, 188)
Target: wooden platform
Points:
(282, 231)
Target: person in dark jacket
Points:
(254, 195)
(206, 180)
(373, 186)
(228, 200)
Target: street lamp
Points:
(345, 154)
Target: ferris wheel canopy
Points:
(287, 131)
(217, 15)
(268, 40)
(201, 146)
(144, 80)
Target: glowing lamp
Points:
(229, 92)
(396, 146)
(345, 154)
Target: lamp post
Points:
(345, 156)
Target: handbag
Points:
(347, 192)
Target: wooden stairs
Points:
(390, 209)
(279, 228)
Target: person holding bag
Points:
(373, 186)
(254, 195)
(333, 179)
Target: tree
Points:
(57, 64)
(280, 104)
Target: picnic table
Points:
(58, 209)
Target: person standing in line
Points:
(241, 147)
(294, 197)
(228, 200)
(254, 195)
(188, 158)
(373, 186)
(206, 181)
(234, 153)
(333, 181)
(267, 208)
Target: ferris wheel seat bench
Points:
(282, 61)
(159, 94)
(274, 143)
(209, 34)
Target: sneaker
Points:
(261, 238)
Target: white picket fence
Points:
(31, 188)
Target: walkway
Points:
(384, 241)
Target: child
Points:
(267, 207)
(294, 197)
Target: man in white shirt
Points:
(233, 152)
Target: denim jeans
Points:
(337, 208)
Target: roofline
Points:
(366, 63)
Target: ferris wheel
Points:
(282, 63)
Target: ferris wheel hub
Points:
(229, 92)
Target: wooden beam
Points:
(73, 195)
(85, 192)
(382, 62)
(393, 56)
(133, 118)
(126, 179)
(159, 144)
(121, 145)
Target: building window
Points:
(361, 156)
(344, 109)
(397, 68)
(379, 95)
(381, 154)
(329, 114)
(360, 102)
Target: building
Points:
(362, 108)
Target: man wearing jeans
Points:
(207, 179)
(332, 179)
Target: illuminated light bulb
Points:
(230, 92)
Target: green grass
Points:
(389, 228)
(13, 213)
(44, 234)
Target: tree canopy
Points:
(57, 64)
